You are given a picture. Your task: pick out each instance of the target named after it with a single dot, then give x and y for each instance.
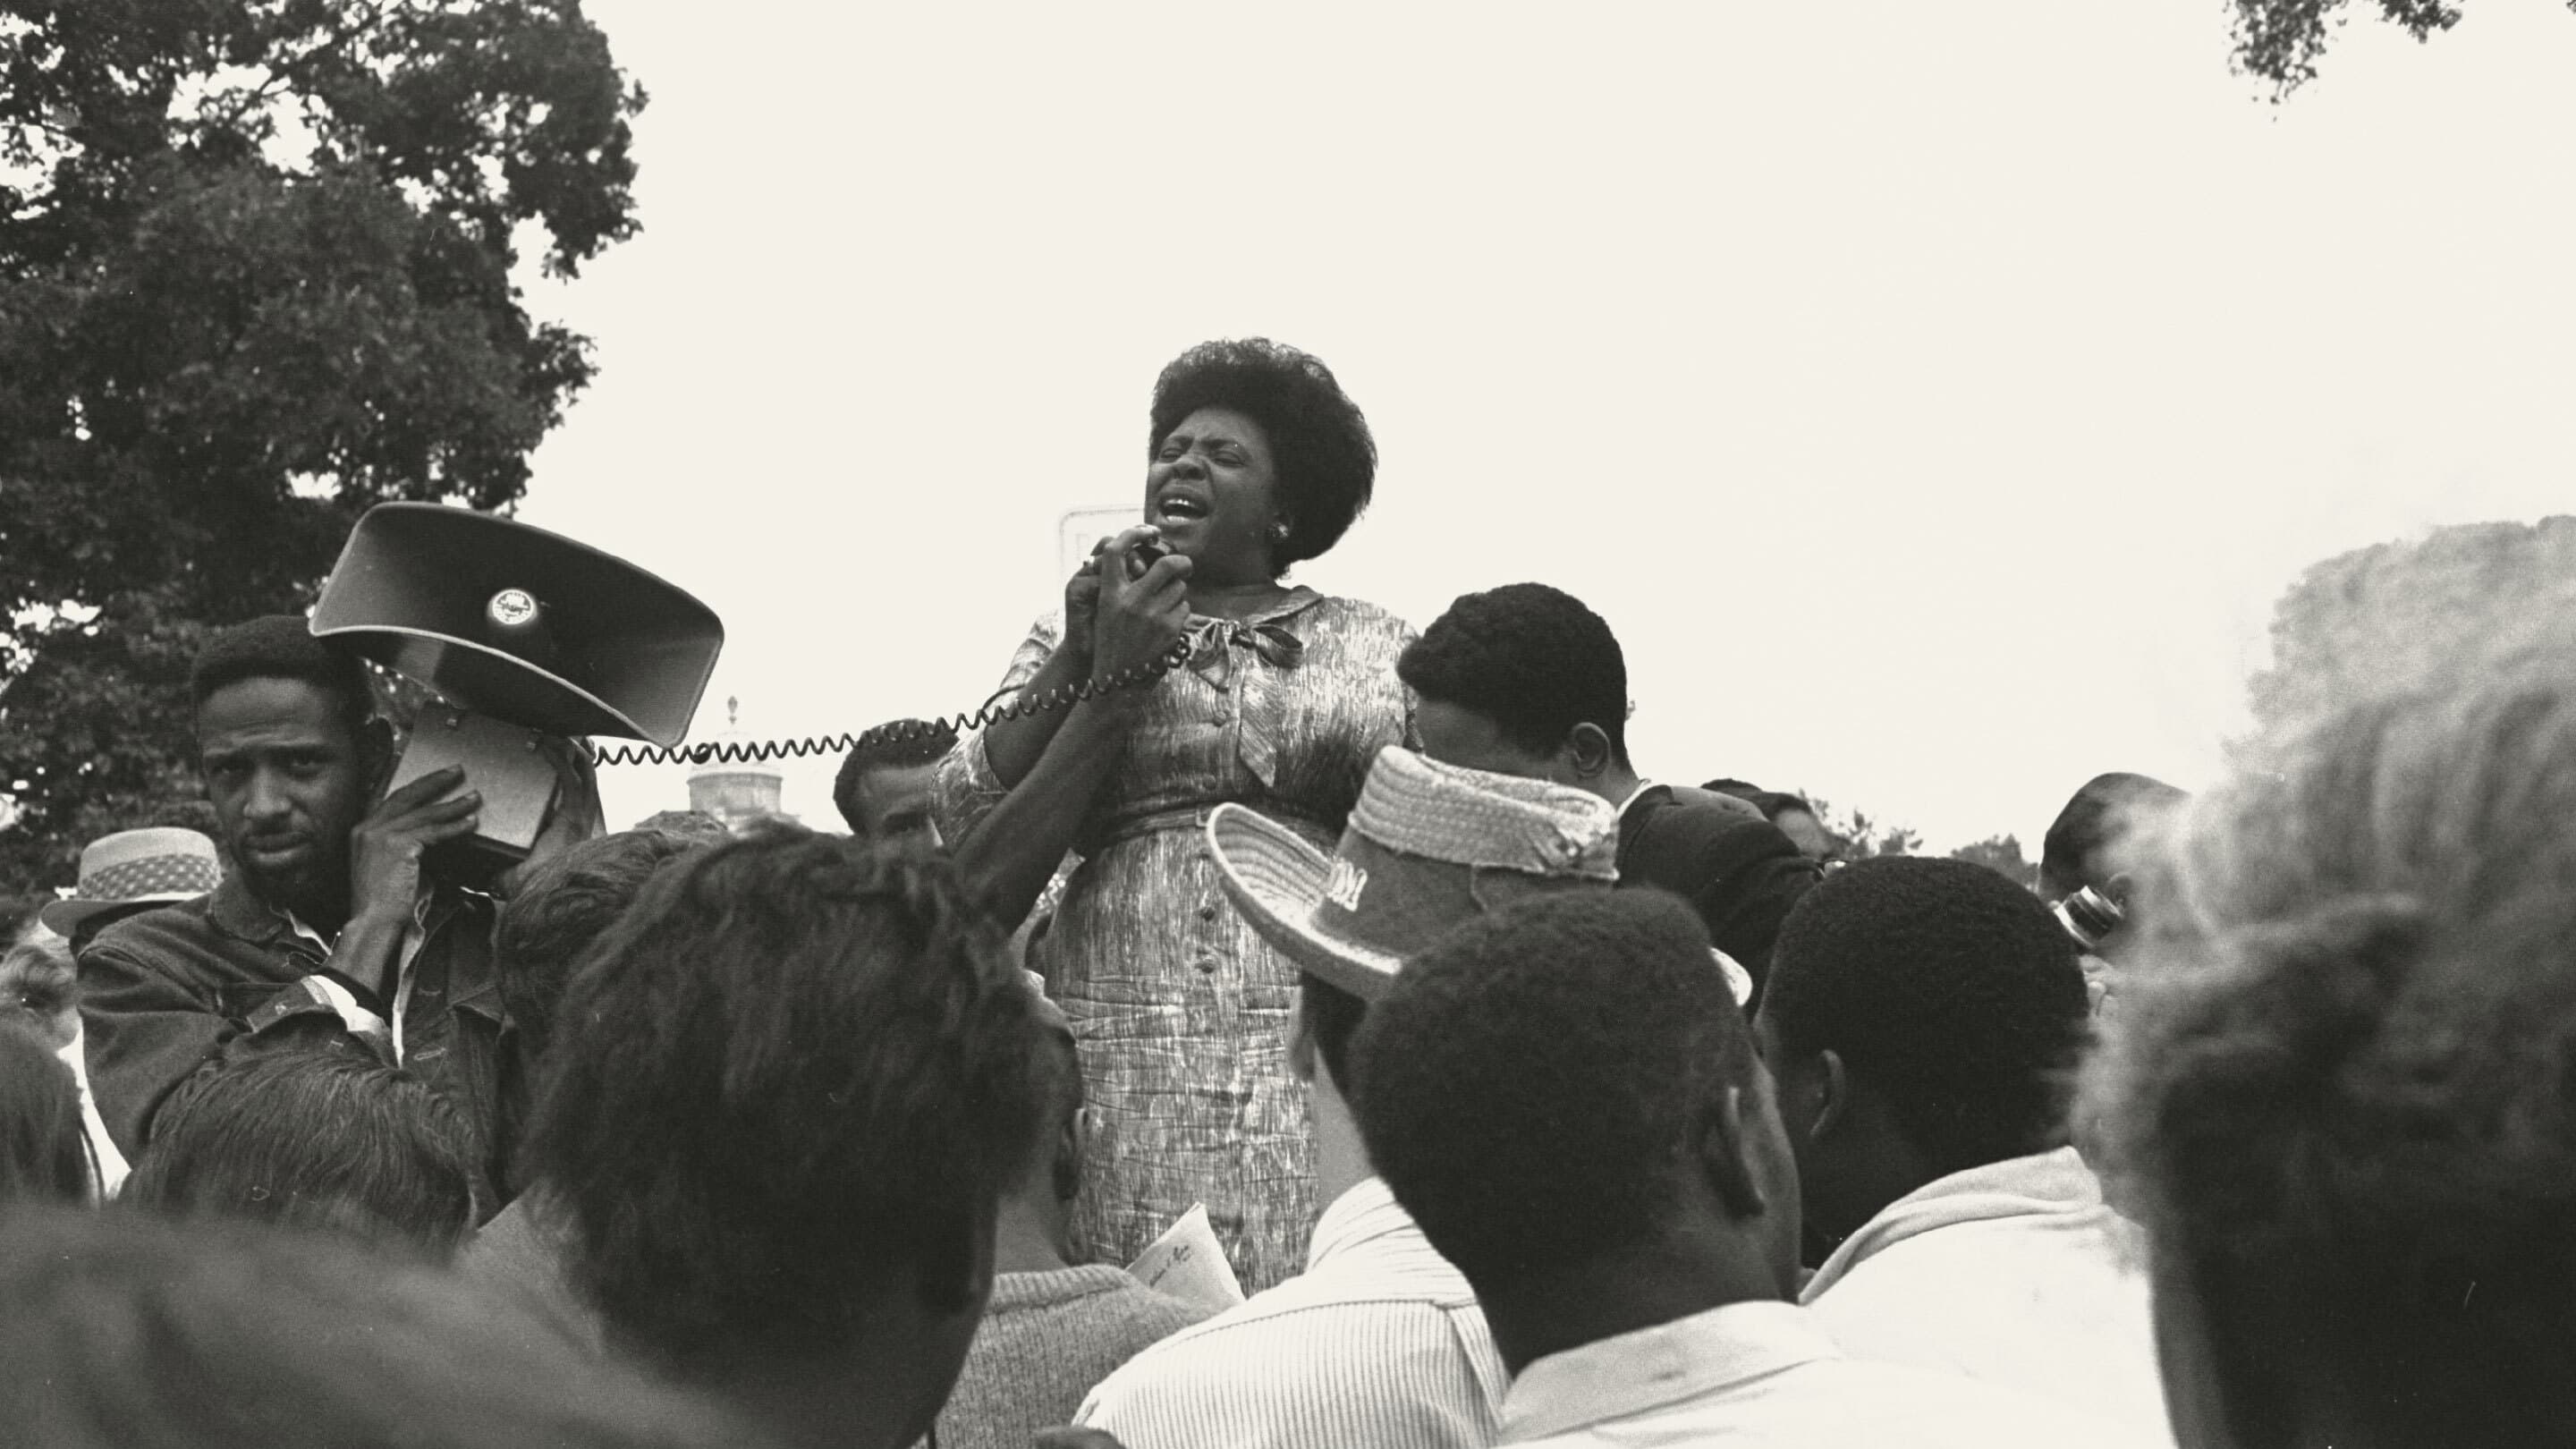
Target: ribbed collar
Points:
(1362, 1215)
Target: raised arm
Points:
(1016, 825)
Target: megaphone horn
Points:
(524, 633)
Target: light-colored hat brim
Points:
(64, 917)
(1276, 878)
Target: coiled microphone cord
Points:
(1019, 706)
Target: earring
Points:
(1279, 532)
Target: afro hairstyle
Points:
(1319, 442)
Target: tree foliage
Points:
(2280, 40)
(1855, 836)
(2002, 855)
(256, 265)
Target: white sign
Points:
(1079, 530)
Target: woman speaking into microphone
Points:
(1257, 461)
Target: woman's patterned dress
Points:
(1181, 1012)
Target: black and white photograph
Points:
(1342, 726)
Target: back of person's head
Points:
(562, 908)
(1538, 1088)
(1946, 990)
(325, 1138)
(1528, 657)
(44, 1144)
(695, 827)
(128, 1332)
(281, 646)
(803, 1080)
(2082, 845)
(1740, 789)
(2346, 1105)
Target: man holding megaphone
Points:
(333, 925)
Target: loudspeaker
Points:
(523, 633)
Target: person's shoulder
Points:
(1905, 1405)
(1359, 617)
(1711, 805)
(1153, 1308)
(1347, 607)
(1277, 1354)
(1099, 1293)
(168, 935)
(1682, 819)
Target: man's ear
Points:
(1835, 1086)
(1072, 1146)
(1588, 746)
(1724, 1148)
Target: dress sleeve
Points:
(964, 787)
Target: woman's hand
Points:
(1133, 620)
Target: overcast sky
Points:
(1933, 397)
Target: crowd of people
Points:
(1533, 1100)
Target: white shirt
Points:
(1379, 1342)
(1765, 1376)
(111, 1163)
(361, 1022)
(2014, 1273)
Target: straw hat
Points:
(131, 871)
(1428, 846)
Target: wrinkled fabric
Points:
(2015, 1273)
(1181, 1012)
(168, 992)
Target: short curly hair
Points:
(2346, 1097)
(281, 646)
(804, 1077)
(1948, 987)
(1532, 1086)
(1319, 442)
(1529, 657)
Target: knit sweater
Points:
(1046, 1339)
